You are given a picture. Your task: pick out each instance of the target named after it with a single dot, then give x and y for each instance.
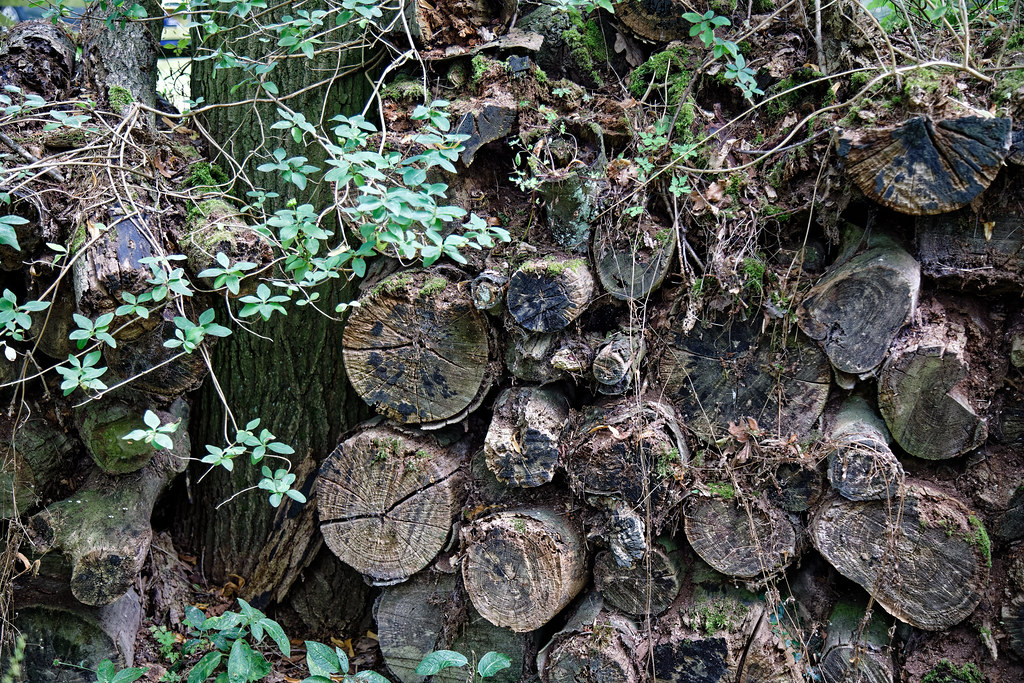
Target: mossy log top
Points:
(522, 567)
(522, 444)
(216, 227)
(926, 167)
(924, 558)
(745, 541)
(721, 373)
(545, 295)
(386, 502)
(417, 350)
(855, 310)
(102, 426)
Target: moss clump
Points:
(479, 66)
(393, 284)
(119, 98)
(980, 540)
(433, 286)
(549, 266)
(667, 69)
(404, 90)
(753, 271)
(666, 463)
(78, 240)
(776, 109)
(205, 174)
(947, 672)
(1008, 83)
(722, 490)
(586, 45)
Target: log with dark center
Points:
(104, 528)
(860, 465)
(924, 558)
(647, 587)
(522, 444)
(855, 650)
(546, 295)
(633, 257)
(596, 646)
(799, 485)
(938, 377)
(522, 567)
(386, 502)
(721, 373)
(927, 167)
(417, 350)
(855, 310)
(745, 541)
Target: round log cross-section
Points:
(547, 294)
(386, 501)
(722, 534)
(417, 350)
(522, 567)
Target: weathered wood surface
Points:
(33, 455)
(746, 541)
(522, 567)
(596, 646)
(112, 266)
(855, 649)
(386, 502)
(104, 528)
(487, 123)
(102, 424)
(923, 557)
(544, 358)
(545, 295)
(417, 350)
(522, 444)
(720, 373)
(647, 587)
(633, 257)
(856, 309)
(659, 21)
(39, 58)
(860, 464)
(31, 234)
(616, 364)
(488, 291)
(939, 377)
(926, 167)
(218, 228)
(798, 485)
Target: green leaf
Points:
(129, 675)
(105, 670)
(206, 666)
(491, 663)
(441, 659)
(245, 664)
(276, 634)
(370, 677)
(322, 660)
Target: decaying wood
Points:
(386, 502)
(617, 361)
(522, 567)
(112, 266)
(33, 457)
(39, 58)
(488, 123)
(543, 358)
(104, 528)
(647, 587)
(522, 443)
(31, 234)
(927, 167)
(219, 228)
(545, 295)
(633, 257)
(661, 22)
(923, 556)
(854, 650)
(855, 310)
(938, 377)
(596, 646)
(102, 424)
(860, 464)
(488, 291)
(799, 486)
(417, 350)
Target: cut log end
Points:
(546, 295)
(722, 534)
(522, 444)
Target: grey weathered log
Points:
(522, 444)
(647, 587)
(546, 295)
(857, 647)
(125, 59)
(328, 580)
(926, 167)
(939, 377)
(488, 291)
(522, 567)
(104, 528)
(102, 424)
(856, 309)
(417, 350)
(33, 455)
(800, 485)
(437, 27)
(860, 464)
(595, 646)
(617, 361)
(661, 22)
(387, 500)
(38, 58)
(745, 539)
(543, 358)
(721, 372)
(633, 255)
(924, 557)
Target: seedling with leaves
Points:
(156, 434)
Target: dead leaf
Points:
(989, 227)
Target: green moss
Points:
(980, 539)
(666, 463)
(119, 98)
(668, 69)
(205, 174)
(586, 45)
(722, 490)
(549, 266)
(776, 109)
(78, 240)
(433, 286)
(393, 284)
(753, 271)
(404, 90)
(479, 66)
(925, 80)
(1016, 41)
(1007, 83)
(519, 526)
(947, 672)
(386, 447)
(541, 76)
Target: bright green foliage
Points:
(157, 434)
(947, 672)
(82, 374)
(89, 330)
(107, 673)
(228, 275)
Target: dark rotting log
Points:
(522, 445)
(661, 22)
(568, 181)
(596, 646)
(926, 167)
(647, 587)
(856, 310)
(386, 502)
(39, 58)
(437, 26)
(617, 361)
(104, 528)
(747, 541)
(1016, 154)
(855, 650)
(938, 377)
(923, 557)
(488, 291)
(718, 374)
(545, 295)
(544, 358)
(630, 449)
(522, 567)
(417, 350)
(799, 485)
(860, 464)
(328, 580)
(102, 424)
(485, 124)
(34, 451)
(29, 206)
(633, 256)
(624, 528)
(51, 327)
(219, 228)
